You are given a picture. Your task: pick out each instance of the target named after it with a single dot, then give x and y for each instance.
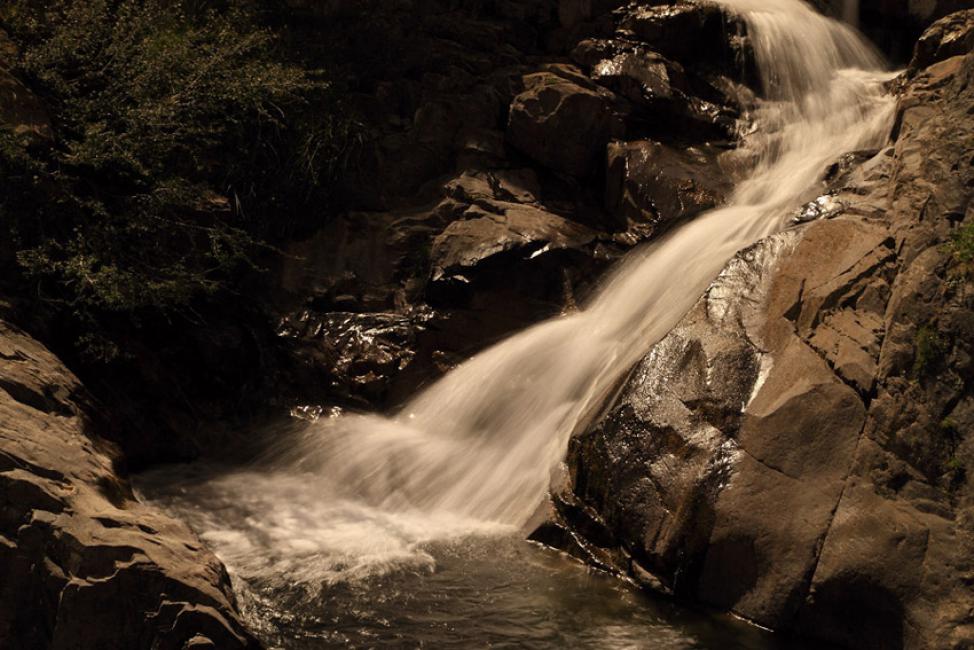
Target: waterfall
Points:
(477, 447)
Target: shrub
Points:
(929, 350)
(182, 135)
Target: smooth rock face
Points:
(797, 450)
(84, 564)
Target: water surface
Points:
(357, 578)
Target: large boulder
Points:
(512, 227)
(84, 564)
(950, 36)
(563, 121)
(894, 25)
(664, 96)
(510, 253)
(651, 183)
(397, 298)
(797, 451)
(689, 31)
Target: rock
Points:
(356, 357)
(394, 294)
(515, 259)
(665, 97)
(658, 87)
(526, 229)
(649, 182)
(85, 564)
(465, 196)
(950, 36)
(895, 25)
(561, 124)
(688, 31)
(797, 450)
(823, 207)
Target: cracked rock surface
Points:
(797, 450)
(83, 564)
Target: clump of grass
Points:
(929, 350)
(962, 244)
(948, 426)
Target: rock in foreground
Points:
(84, 564)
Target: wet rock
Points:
(85, 565)
(515, 261)
(658, 89)
(387, 301)
(526, 229)
(651, 183)
(797, 450)
(950, 36)
(688, 31)
(355, 357)
(824, 207)
(641, 75)
(665, 96)
(561, 123)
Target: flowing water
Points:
(352, 501)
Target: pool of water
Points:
(312, 573)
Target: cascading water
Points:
(356, 495)
(481, 442)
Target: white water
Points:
(355, 495)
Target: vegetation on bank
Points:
(186, 140)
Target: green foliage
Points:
(182, 136)
(949, 428)
(962, 244)
(929, 350)
(956, 471)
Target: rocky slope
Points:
(514, 150)
(84, 564)
(797, 450)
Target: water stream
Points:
(352, 501)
